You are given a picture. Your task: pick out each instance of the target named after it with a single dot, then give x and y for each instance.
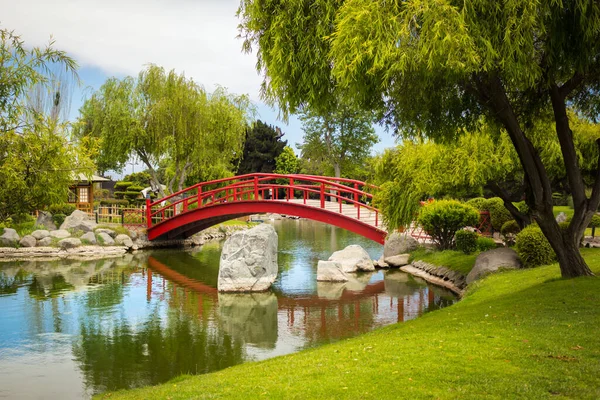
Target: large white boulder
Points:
(249, 260)
(124, 240)
(398, 260)
(399, 243)
(353, 258)
(493, 260)
(10, 237)
(78, 220)
(69, 243)
(330, 271)
(105, 239)
(89, 238)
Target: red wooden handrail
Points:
(250, 187)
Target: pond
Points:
(72, 329)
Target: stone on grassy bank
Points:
(89, 237)
(105, 239)
(249, 260)
(109, 232)
(353, 258)
(493, 260)
(330, 271)
(60, 234)
(47, 241)
(45, 219)
(124, 240)
(69, 243)
(40, 234)
(9, 238)
(28, 241)
(398, 260)
(78, 220)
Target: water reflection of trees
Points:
(119, 355)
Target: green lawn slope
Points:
(518, 334)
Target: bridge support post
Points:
(322, 195)
(290, 189)
(148, 212)
(256, 188)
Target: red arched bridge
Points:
(345, 203)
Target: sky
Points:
(118, 38)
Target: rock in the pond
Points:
(40, 234)
(399, 243)
(381, 263)
(10, 237)
(89, 237)
(561, 217)
(45, 219)
(133, 234)
(493, 260)
(28, 241)
(60, 234)
(124, 240)
(330, 271)
(353, 258)
(105, 239)
(398, 261)
(110, 232)
(249, 260)
(330, 290)
(80, 221)
(69, 243)
(47, 241)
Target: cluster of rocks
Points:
(78, 221)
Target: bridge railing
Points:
(266, 187)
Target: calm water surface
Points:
(71, 329)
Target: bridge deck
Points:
(349, 210)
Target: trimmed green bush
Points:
(132, 195)
(62, 208)
(594, 223)
(135, 188)
(466, 241)
(441, 219)
(477, 203)
(119, 195)
(122, 186)
(533, 247)
(510, 228)
(498, 213)
(485, 244)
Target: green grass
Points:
(451, 259)
(566, 209)
(118, 229)
(516, 334)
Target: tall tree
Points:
(287, 162)
(37, 159)
(164, 116)
(339, 139)
(262, 146)
(432, 67)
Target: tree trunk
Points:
(566, 247)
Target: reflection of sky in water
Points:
(140, 328)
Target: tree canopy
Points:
(338, 140)
(163, 117)
(38, 162)
(262, 147)
(432, 68)
(287, 162)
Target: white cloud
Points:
(197, 37)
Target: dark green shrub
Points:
(522, 207)
(58, 219)
(131, 195)
(441, 219)
(466, 241)
(594, 223)
(510, 228)
(533, 247)
(122, 186)
(485, 244)
(559, 199)
(22, 218)
(135, 188)
(477, 203)
(62, 208)
(119, 195)
(498, 213)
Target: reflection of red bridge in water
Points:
(345, 203)
(406, 307)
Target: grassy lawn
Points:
(451, 259)
(517, 334)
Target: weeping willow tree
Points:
(163, 118)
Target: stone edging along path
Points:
(440, 276)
